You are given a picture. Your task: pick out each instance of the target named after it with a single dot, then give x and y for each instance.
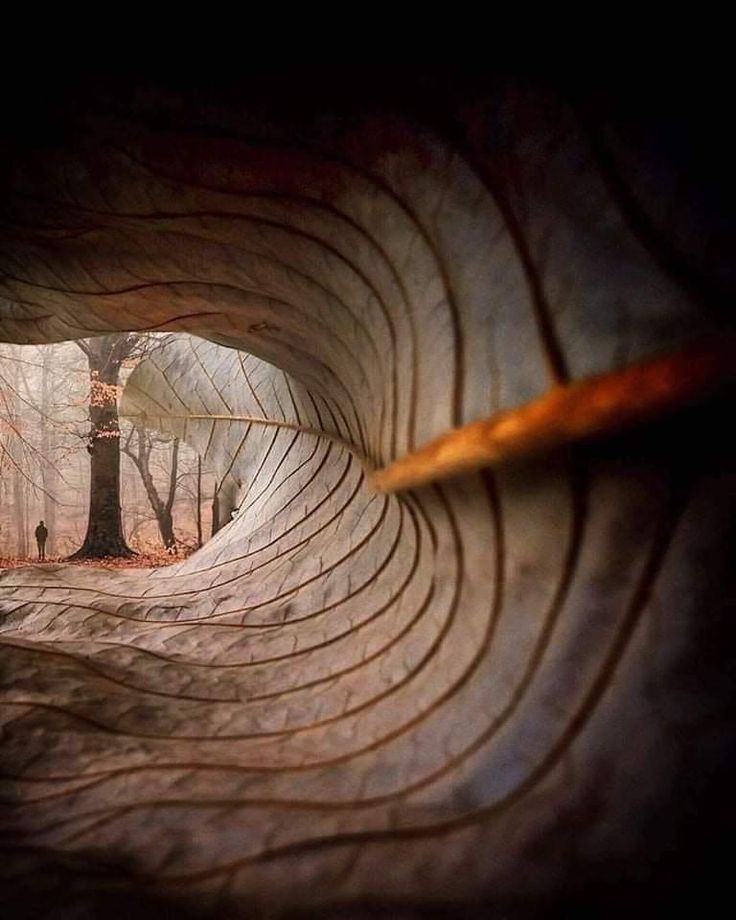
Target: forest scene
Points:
(109, 493)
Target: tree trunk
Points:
(162, 510)
(223, 504)
(215, 510)
(199, 501)
(20, 483)
(49, 473)
(166, 522)
(105, 525)
(19, 503)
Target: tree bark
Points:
(104, 535)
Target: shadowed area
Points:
(509, 690)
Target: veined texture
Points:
(486, 691)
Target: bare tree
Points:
(199, 502)
(223, 504)
(49, 471)
(139, 446)
(40, 395)
(15, 450)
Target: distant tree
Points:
(40, 391)
(139, 446)
(224, 503)
(49, 470)
(15, 450)
(198, 502)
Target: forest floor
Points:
(150, 560)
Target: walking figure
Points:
(41, 536)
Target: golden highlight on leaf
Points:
(584, 409)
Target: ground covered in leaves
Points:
(148, 560)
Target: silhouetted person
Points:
(41, 536)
